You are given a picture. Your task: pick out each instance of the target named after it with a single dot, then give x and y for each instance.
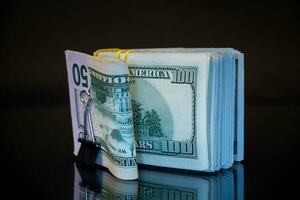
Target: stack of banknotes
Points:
(99, 184)
(173, 107)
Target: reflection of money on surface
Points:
(160, 185)
(98, 184)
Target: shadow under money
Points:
(159, 184)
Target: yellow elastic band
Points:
(126, 54)
(105, 50)
(118, 55)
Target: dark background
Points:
(36, 138)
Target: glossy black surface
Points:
(37, 160)
(36, 137)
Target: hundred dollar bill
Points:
(101, 111)
(169, 102)
(238, 59)
(187, 106)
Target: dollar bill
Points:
(237, 59)
(101, 111)
(169, 98)
(159, 121)
(223, 113)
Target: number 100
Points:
(183, 76)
